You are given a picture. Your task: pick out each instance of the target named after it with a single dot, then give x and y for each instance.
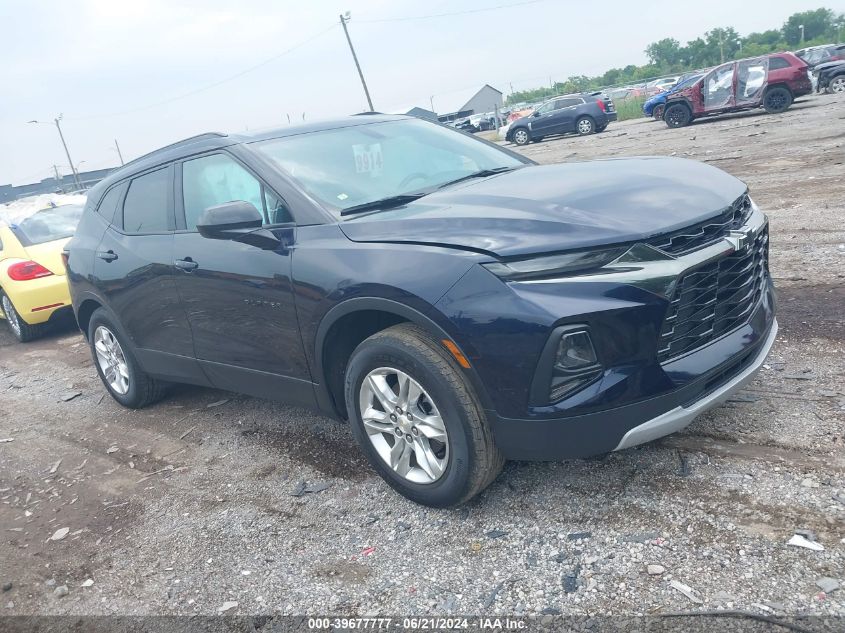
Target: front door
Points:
(239, 298)
(718, 88)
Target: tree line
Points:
(668, 56)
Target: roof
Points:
(455, 101)
(217, 140)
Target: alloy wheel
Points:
(585, 126)
(777, 101)
(111, 359)
(837, 84)
(11, 315)
(404, 425)
(521, 137)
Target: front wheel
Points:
(20, 329)
(585, 125)
(117, 366)
(417, 418)
(837, 84)
(777, 100)
(657, 113)
(677, 115)
(521, 136)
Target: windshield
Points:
(51, 224)
(360, 164)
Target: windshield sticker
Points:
(368, 159)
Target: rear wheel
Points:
(19, 328)
(417, 418)
(837, 84)
(677, 115)
(777, 100)
(585, 125)
(521, 136)
(117, 366)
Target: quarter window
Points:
(218, 179)
(146, 208)
(108, 205)
(776, 63)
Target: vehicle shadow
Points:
(58, 328)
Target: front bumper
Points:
(680, 417)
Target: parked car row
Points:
(830, 76)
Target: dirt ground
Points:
(187, 505)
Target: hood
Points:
(548, 208)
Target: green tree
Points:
(722, 44)
(666, 52)
(817, 23)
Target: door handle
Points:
(186, 264)
(107, 256)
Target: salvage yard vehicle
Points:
(772, 82)
(582, 113)
(33, 285)
(457, 303)
(830, 77)
(653, 107)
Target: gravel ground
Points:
(187, 507)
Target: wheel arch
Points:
(348, 324)
(780, 84)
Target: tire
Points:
(677, 115)
(521, 136)
(777, 100)
(463, 458)
(837, 84)
(19, 328)
(601, 128)
(657, 113)
(585, 126)
(141, 389)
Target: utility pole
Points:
(117, 147)
(343, 20)
(67, 153)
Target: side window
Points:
(108, 205)
(146, 207)
(776, 63)
(218, 179)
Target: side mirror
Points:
(535, 113)
(238, 221)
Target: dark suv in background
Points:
(457, 303)
(582, 113)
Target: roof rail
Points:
(184, 141)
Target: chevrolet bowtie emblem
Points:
(740, 240)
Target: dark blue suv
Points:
(581, 113)
(458, 304)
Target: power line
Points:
(211, 85)
(453, 13)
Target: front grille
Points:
(705, 233)
(715, 299)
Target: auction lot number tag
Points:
(368, 159)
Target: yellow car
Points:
(33, 283)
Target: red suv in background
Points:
(771, 82)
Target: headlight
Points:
(554, 265)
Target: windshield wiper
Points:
(384, 203)
(483, 173)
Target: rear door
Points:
(567, 113)
(133, 270)
(238, 297)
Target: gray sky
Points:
(109, 65)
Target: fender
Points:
(358, 304)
